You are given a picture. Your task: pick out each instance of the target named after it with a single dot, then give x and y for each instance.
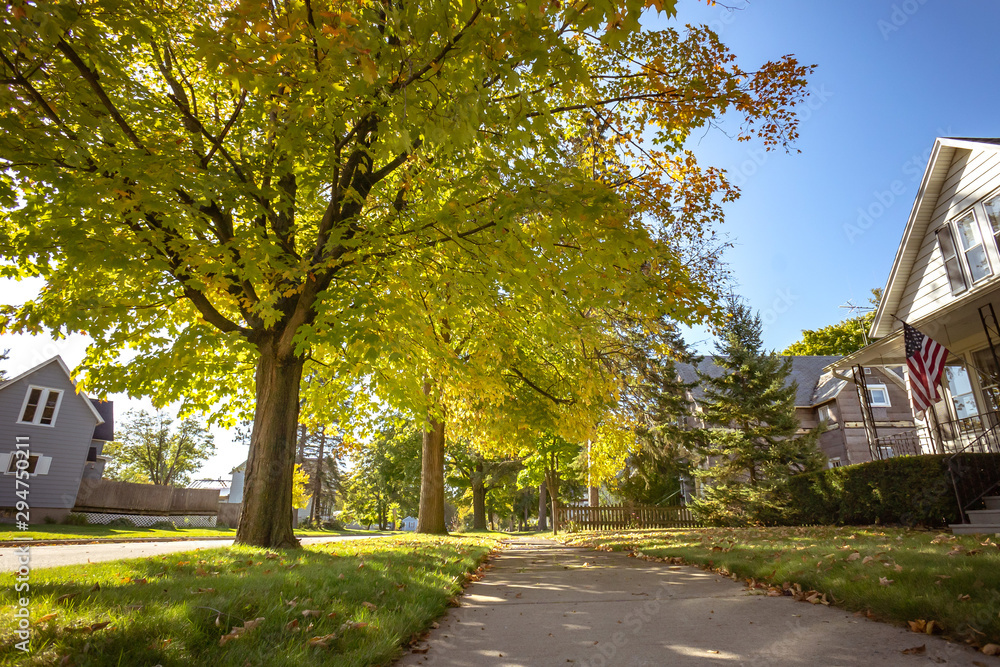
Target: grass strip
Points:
(351, 603)
(906, 577)
(61, 532)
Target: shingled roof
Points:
(806, 371)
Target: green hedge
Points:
(910, 490)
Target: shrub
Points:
(75, 519)
(910, 490)
(121, 522)
(163, 525)
(333, 524)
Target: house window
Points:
(952, 265)
(960, 388)
(993, 215)
(38, 464)
(41, 406)
(835, 462)
(878, 396)
(825, 415)
(972, 247)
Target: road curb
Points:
(6, 544)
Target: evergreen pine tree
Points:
(751, 444)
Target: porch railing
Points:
(908, 443)
(973, 477)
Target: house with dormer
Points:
(63, 433)
(945, 282)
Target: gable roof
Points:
(69, 375)
(935, 175)
(806, 372)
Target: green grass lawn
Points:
(894, 575)
(348, 603)
(61, 532)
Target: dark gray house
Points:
(65, 432)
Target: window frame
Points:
(977, 229)
(963, 283)
(884, 389)
(40, 408)
(42, 463)
(825, 408)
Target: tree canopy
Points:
(149, 451)
(840, 339)
(222, 194)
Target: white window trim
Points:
(835, 462)
(825, 409)
(41, 468)
(977, 226)
(41, 406)
(885, 390)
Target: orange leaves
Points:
(926, 627)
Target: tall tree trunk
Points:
(430, 518)
(478, 498)
(552, 485)
(266, 519)
(594, 497)
(318, 482)
(542, 507)
(300, 456)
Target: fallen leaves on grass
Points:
(239, 631)
(885, 581)
(323, 641)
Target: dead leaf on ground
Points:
(991, 649)
(883, 581)
(47, 617)
(369, 606)
(314, 613)
(292, 625)
(239, 631)
(322, 642)
(916, 650)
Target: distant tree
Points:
(752, 445)
(300, 488)
(474, 475)
(149, 451)
(838, 339)
(386, 476)
(660, 403)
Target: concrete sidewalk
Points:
(552, 606)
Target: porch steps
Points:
(981, 521)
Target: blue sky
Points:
(890, 77)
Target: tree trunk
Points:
(478, 499)
(595, 497)
(430, 518)
(266, 518)
(318, 483)
(542, 507)
(300, 456)
(552, 485)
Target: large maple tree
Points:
(215, 190)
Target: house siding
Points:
(67, 441)
(972, 175)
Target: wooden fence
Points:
(104, 495)
(621, 517)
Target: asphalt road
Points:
(52, 556)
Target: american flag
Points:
(925, 360)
